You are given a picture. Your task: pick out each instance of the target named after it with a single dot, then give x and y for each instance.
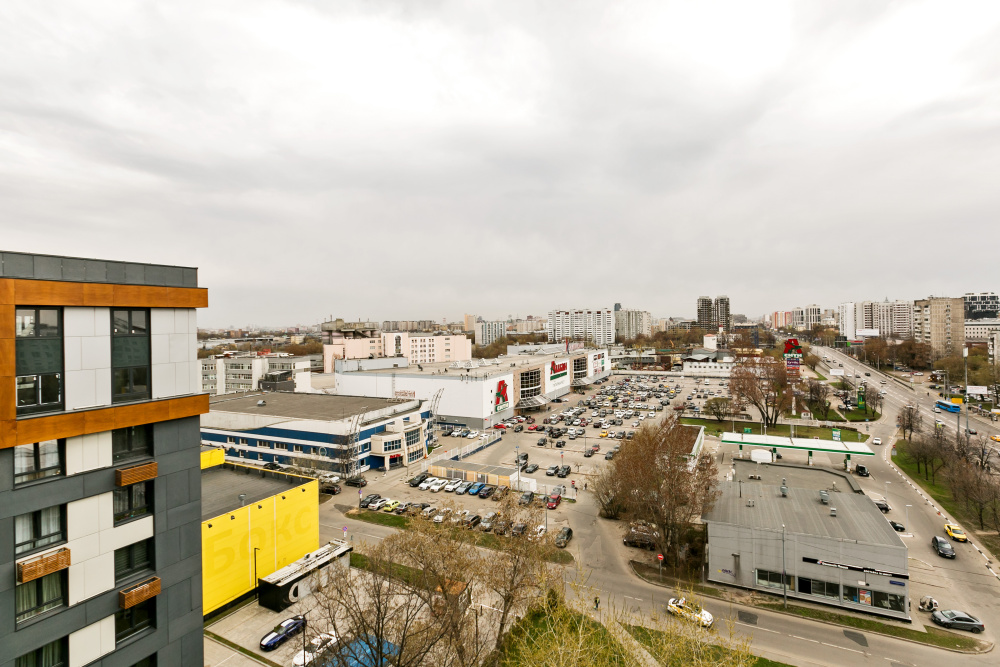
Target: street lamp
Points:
(784, 575)
(886, 496)
(517, 462)
(908, 514)
(255, 550)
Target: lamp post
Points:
(908, 514)
(784, 576)
(255, 550)
(886, 496)
(517, 462)
(965, 358)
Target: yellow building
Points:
(253, 523)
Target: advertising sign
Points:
(556, 375)
(836, 434)
(866, 333)
(973, 389)
(404, 393)
(501, 399)
(793, 359)
(574, 346)
(597, 363)
(861, 398)
(836, 371)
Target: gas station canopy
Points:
(803, 444)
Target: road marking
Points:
(852, 650)
(632, 598)
(805, 639)
(757, 627)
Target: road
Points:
(602, 562)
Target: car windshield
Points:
(949, 614)
(279, 630)
(957, 530)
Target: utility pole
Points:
(965, 358)
(784, 576)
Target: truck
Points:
(760, 455)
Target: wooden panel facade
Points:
(141, 592)
(14, 291)
(135, 474)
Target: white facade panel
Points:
(79, 322)
(91, 577)
(81, 389)
(72, 353)
(88, 452)
(164, 380)
(159, 348)
(91, 642)
(96, 353)
(83, 517)
(126, 534)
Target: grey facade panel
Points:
(78, 269)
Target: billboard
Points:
(974, 389)
(598, 362)
(866, 333)
(556, 375)
(501, 397)
(836, 371)
(574, 346)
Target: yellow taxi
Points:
(995, 438)
(955, 533)
(604, 434)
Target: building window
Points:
(133, 501)
(129, 355)
(823, 589)
(132, 442)
(39, 460)
(297, 448)
(243, 441)
(40, 595)
(392, 445)
(146, 662)
(53, 654)
(230, 440)
(133, 559)
(412, 438)
(133, 620)
(280, 445)
(773, 580)
(38, 353)
(37, 530)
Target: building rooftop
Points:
(221, 487)
(321, 407)
(77, 269)
(802, 444)
(474, 368)
(802, 512)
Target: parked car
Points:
(588, 452)
(369, 499)
(883, 505)
(898, 527)
(281, 632)
(452, 485)
(475, 488)
(376, 505)
(488, 521)
(942, 547)
(487, 491)
(518, 529)
(609, 455)
(639, 539)
(862, 471)
(462, 488)
(564, 471)
(955, 532)
(518, 428)
(684, 608)
(402, 508)
(317, 644)
(553, 501)
(501, 492)
(438, 485)
(532, 467)
(563, 537)
(876, 441)
(330, 488)
(526, 498)
(416, 481)
(357, 481)
(390, 506)
(442, 514)
(271, 465)
(472, 521)
(952, 618)
(560, 443)
(428, 511)
(551, 471)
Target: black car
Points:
(416, 481)
(640, 540)
(588, 452)
(487, 491)
(564, 536)
(281, 632)
(369, 499)
(898, 527)
(526, 498)
(530, 468)
(357, 481)
(330, 488)
(862, 471)
(560, 443)
(542, 442)
(522, 458)
(942, 547)
(518, 529)
(471, 522)
(610, 455)
(563, 471)
(518, 428)
(882, 505)
(272, 466)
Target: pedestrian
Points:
(597, 603)
(584, 486)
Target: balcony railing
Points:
(140, 592)
(39, 566)
(135, 474)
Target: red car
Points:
(532, 427)
(554, 501)
(500, 426)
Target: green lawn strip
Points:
(651, 639)
(653, 576)
(942, 496)
(857, 415)
(819, 376)
(933, 636)
(487, 540)
(846, 434)
(239, 649)
(531, 629)
(404, 573)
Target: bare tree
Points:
(763, 383)
(910, 420)
(667, 485)
(819, 398)
(719, 407)
(610, 492)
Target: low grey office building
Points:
(843, 554)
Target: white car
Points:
(427, 483)
(316, 645)
(438, 485)
(686, 609)
(378, 504)
(452, 485)
(442, 515)
(635, 424)
(651, 414)
(472, 435)
(876, 441)
(537, 533)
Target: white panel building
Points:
(489, 332)
(595, 325)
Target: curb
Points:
(818, 620)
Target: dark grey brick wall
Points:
(74, 269)
(177, 638)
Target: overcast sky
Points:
(420, 160)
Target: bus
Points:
(948, 406)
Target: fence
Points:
(458, 454)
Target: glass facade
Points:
(38, 352)
(38, 461)
(130, 370)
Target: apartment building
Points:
(99, 444)
(631, 323)
(228, 375)
(940, 322)
(596, 325)
(489, 332)
(705, 313)
(981, 305)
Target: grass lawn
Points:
(651, 639)
(487, 540)
(713, 427)
(819, 376)
(942, 496)
(933, 636)
(538, 628)
(653, 576)
(856, 415)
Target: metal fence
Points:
(460, 453)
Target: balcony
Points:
(39, 566)
(135, 474)
(141, 592)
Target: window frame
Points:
(132, 395)
(133, 512)
(38, 406)
(38, 470)
(39, 655)
(62, 577)
(132, 453)
(133, 628)
(134, 569)
(36, 525)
